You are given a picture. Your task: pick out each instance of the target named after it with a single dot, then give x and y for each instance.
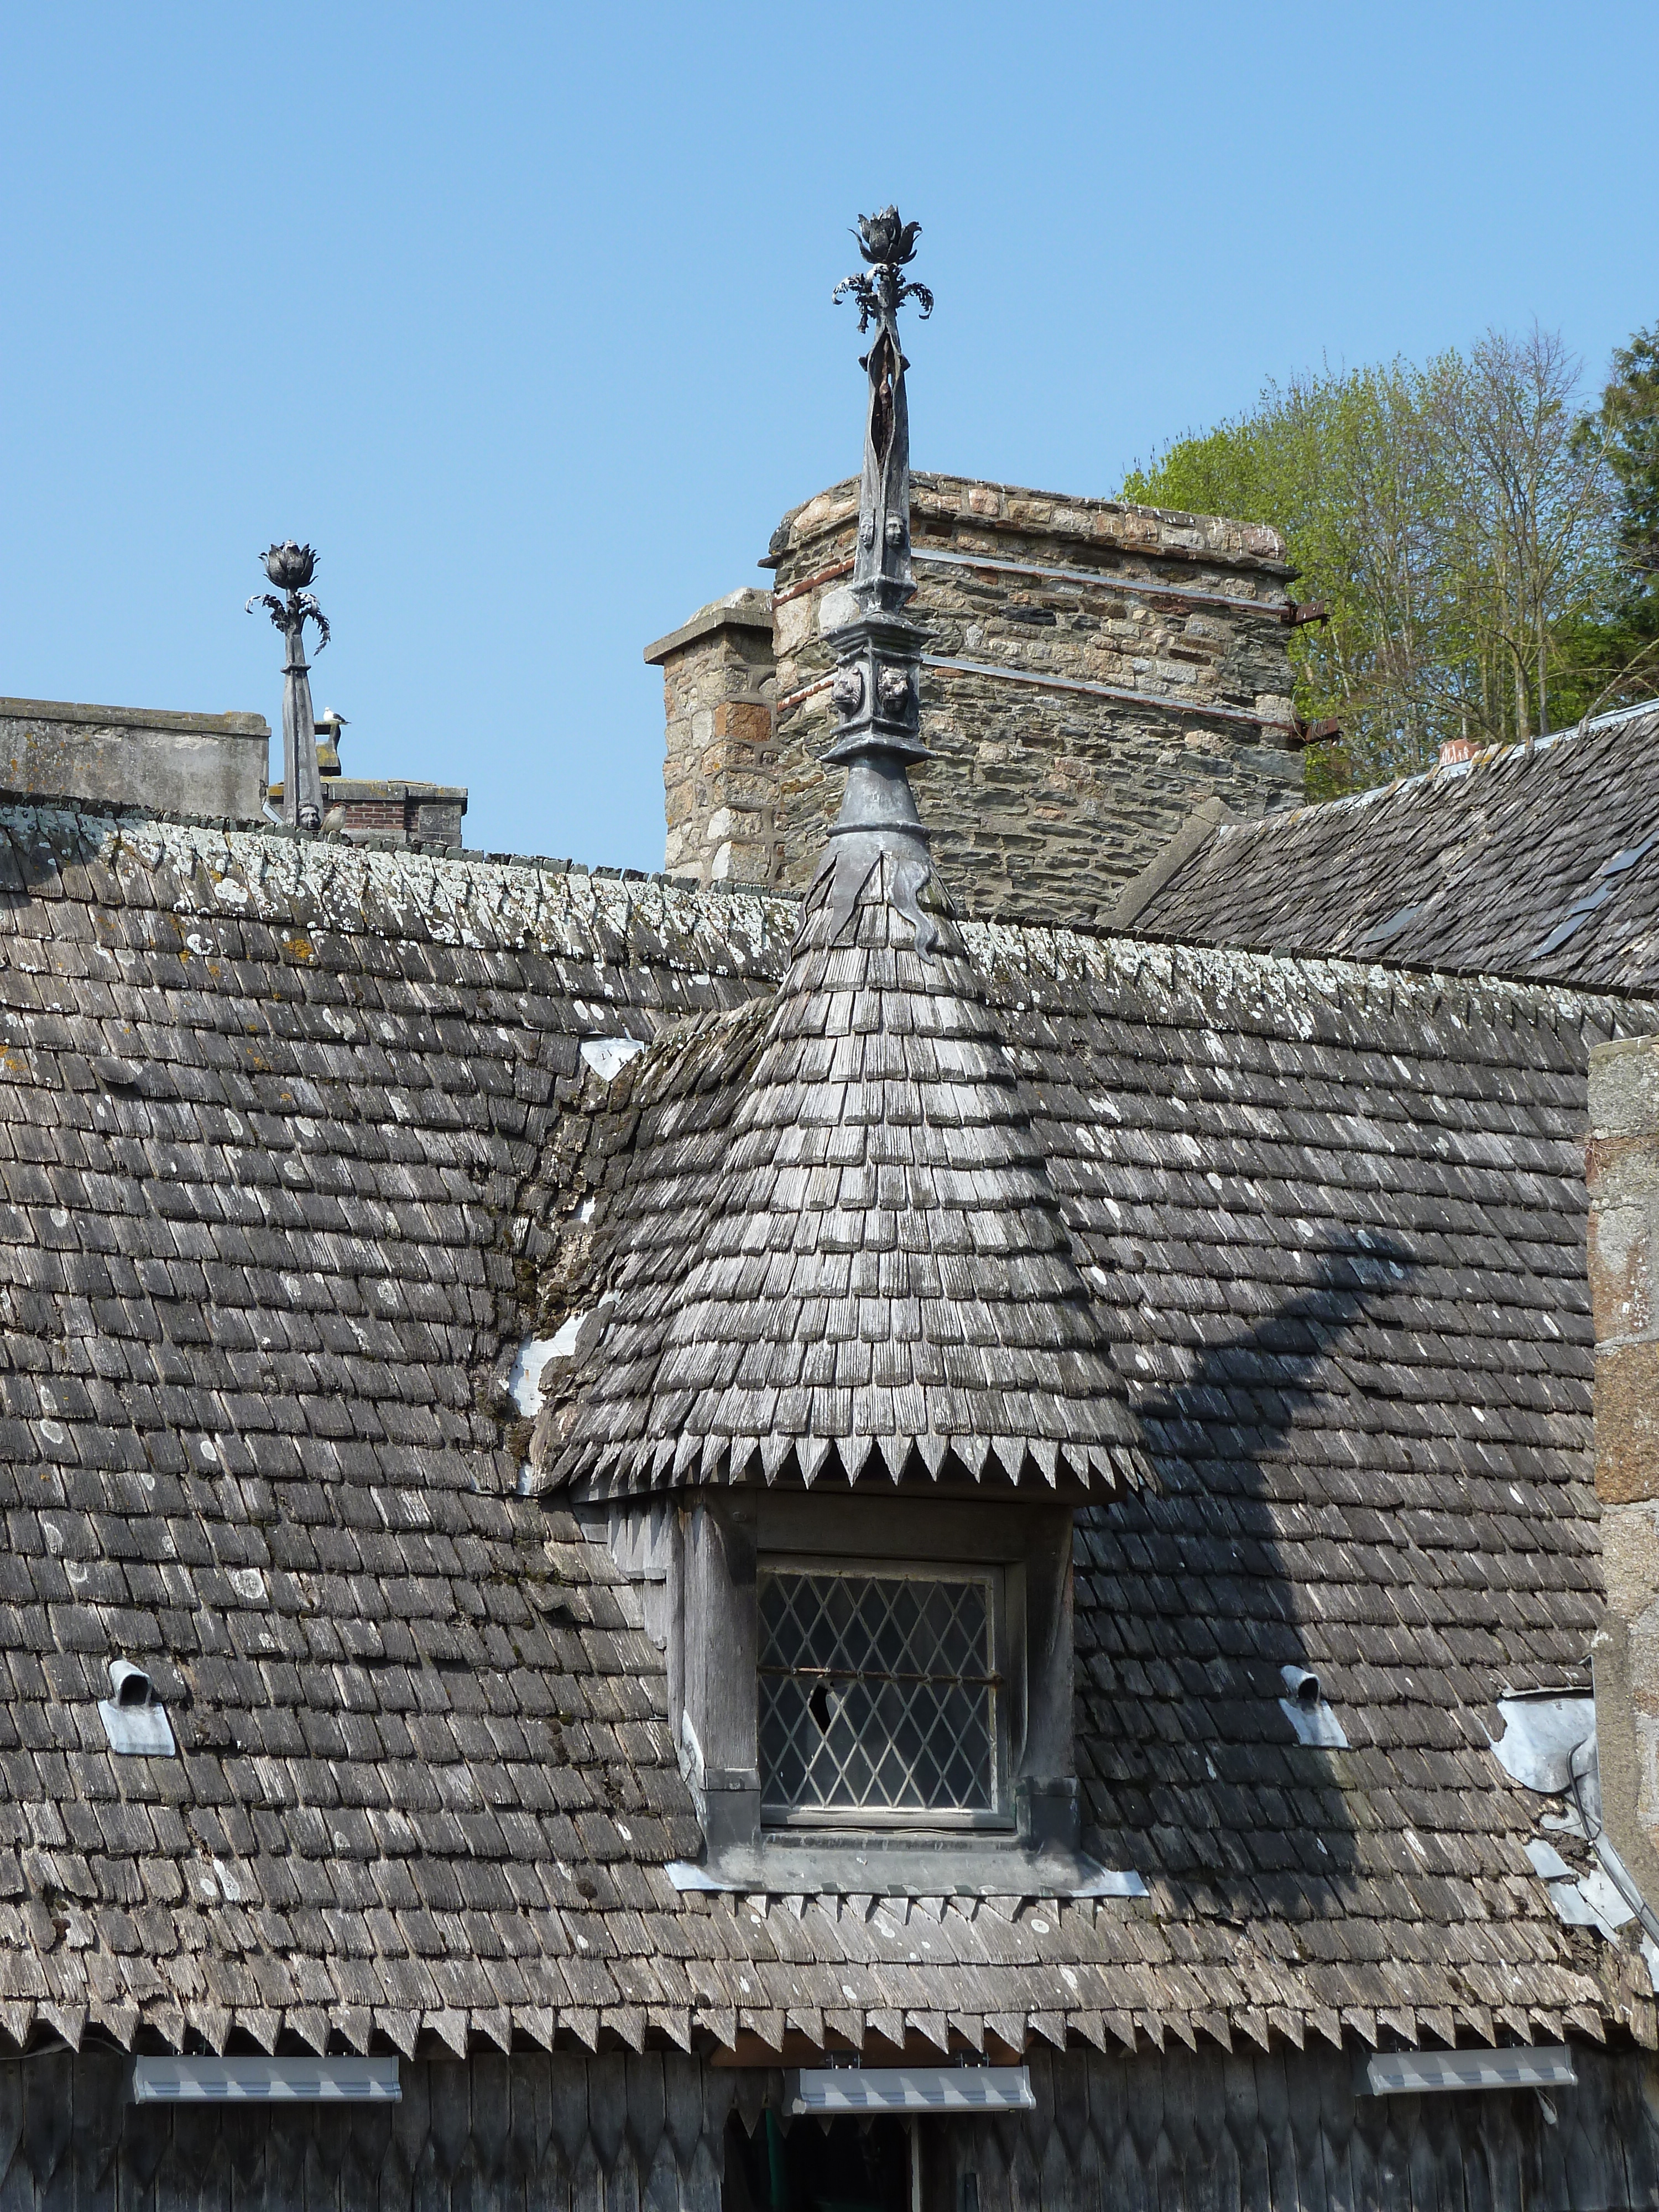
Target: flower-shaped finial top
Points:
(290, 566)
(884, 240)
(887, 242)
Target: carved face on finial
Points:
(886, 241)
(290, 566)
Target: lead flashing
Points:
(900, 1866)
(137, 1727)
(266, 2082)
(1541, 1737)
(830, 2089)
(1418, 2073)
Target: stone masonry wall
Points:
(209, 764)
(1622, 1166)
(720, 771)
(1078, 716)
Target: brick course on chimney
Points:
(427, 813)
(1095, 672)
(1622, 1165)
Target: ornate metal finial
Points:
(881, 560)
(876, 691)
(291, 568)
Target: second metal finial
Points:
(291, 568)
(878, 838)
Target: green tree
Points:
(1453, 520)
(1628, 421)
(1523, 538)
(1613, 658)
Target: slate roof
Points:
(280, 1127)
(839, 1251)
(1537, 861)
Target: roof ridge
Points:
(1497, 756)
(1326, 975)
(120, 813)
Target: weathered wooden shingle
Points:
(281, 1139)
(1536, 860)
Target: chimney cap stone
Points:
(744, 609)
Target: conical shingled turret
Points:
(876, 1284)
(876, 1281)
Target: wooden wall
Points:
(1287, 2132)
(493, 2135)
(1176, 2134)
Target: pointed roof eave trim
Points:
(997, 1462)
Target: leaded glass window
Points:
(878, 1692)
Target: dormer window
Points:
(879, 1694)
(854, 1674)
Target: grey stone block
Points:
(212, 765)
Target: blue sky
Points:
(521, 314)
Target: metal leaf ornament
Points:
(291, 568)
(886, 242)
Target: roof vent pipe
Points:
(1303, 1705)
(1302, 1686)
(135, 1725)
(132, 1687)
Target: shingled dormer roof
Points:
(852, 1262)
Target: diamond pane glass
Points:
(877, 1693)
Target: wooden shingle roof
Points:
(1538, 861)
(282, 1135)
(838, 1251)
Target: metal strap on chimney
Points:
(1289, 612)
(1067, 683)
(1143, 588)
(1110, 691)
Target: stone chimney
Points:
(1622, 1163)
(721, 770)
(1092, 671)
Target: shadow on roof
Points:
(1189, 1758)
